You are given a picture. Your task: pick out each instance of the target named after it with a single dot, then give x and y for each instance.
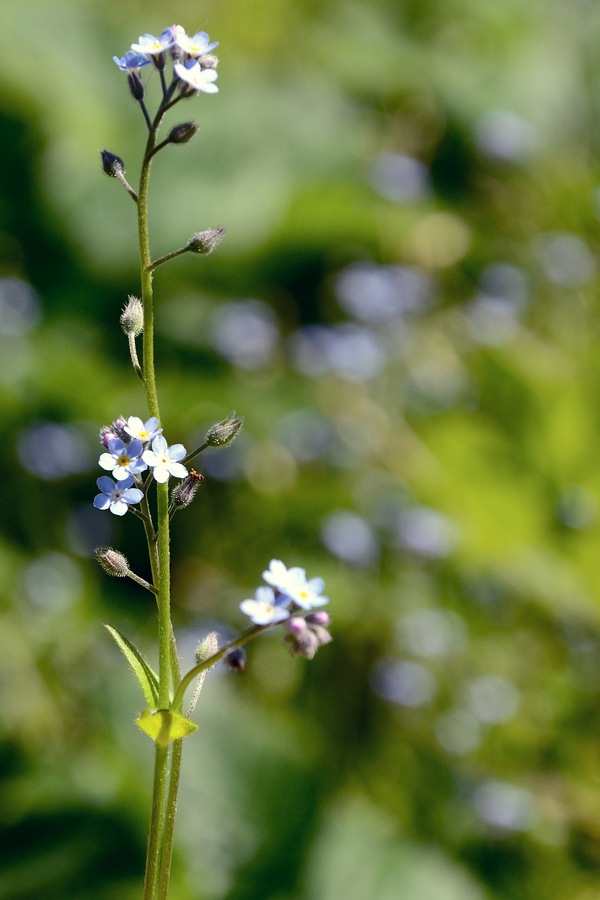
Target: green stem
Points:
(161, 765)
(164, 600)
(169, 827)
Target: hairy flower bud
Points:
(112, 164)
(183, 493)
(296, 625)
(207, 647)
(160, 61)
(113, 562)
(208, 61)
(183, 133)
(206, 241)
(132, 317)
(320, 617)
(236, 659)
(136, 86)
(224, 432)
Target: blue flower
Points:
(152, 46)
(197, 77)
(292, 582)
(144, 432)
(116, 497)
(197, 45)
(131, 61)
(123, 459)
(165, 460)
(266, 609)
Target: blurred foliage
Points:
(405, 311)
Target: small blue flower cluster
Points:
(290, 593)
(128, 455)
(186, 51)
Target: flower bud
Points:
(318, 618)
(321, 634)
(208, 61)
(296, 625)
(132, 317)
(236, 659)
(183, 133)
(113, 562)
(207, 647)
(136, 86)
(206, 241)
(159, 60)
(112, 164)
(224, 432)
(183, 493)
(305, 644)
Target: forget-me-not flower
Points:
(292, 582)
(152, 46)
(131, 61)
(197, 45)
(164, 460)
(198, 78)
(143, 431)
(116, 497)
(123, 459)
(266, 609)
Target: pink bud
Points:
(319, 618)
(296, 625)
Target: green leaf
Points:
(144, 673)
(164, 726)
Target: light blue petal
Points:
(105, 484)
(133, 495)
(316, 585)
(178, 471)
(265, 595)
(159, 445)
(135, 448)
(177, 452)
(101, 501)
(116, 446)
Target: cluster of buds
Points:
(305, 634)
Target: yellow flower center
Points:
(123, 461)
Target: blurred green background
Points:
(405, 311)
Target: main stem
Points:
(159, 855)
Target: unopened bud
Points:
(296, 625)
(183, 493)
(236, 659)
(183, 133)
(208, 61)
(113, 562)
(318, 618)
(206, 241)
(207, 647)
(321, 634)
(136, 86)
(112, 164)
(305, 644)
(159, 60)
(224, 432)
(132, 317)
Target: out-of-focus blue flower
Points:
(197, 45)
(152, 46)
(198, 78)
(123, 459)
(131, 61)
(266, 609)
(165, 460)
(116, 497)
(292, 582)
(143, 431)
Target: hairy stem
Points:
(161, 765)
